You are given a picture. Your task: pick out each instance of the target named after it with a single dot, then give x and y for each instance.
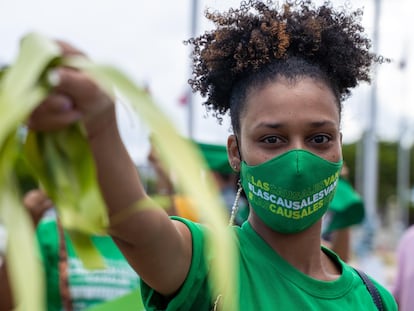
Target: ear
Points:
(233, 153)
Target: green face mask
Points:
(292, 191)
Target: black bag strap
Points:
(373, 291)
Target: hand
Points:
(75, 97)
(37, 203)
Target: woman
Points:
(281, 73)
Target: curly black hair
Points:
(261, 41)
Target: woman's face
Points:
(288, 115)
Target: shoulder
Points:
(388, 299)
(197, 230)
(194, 293)
(408, 236)
(406, 243)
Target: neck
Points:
(302, 250)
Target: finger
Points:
(43, 123)
(57, 103)
(55, 112)
(68, 49)
(86, 94)
(77, 84)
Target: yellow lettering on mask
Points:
(317, 205)
(296, 215)
(288, 213)
(258, 183)
(280, 211)
(303, 213)
(272, 208)
(330, 179)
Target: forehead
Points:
(301, 98)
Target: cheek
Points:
(254, 156)
(246, 152)
(336, 154)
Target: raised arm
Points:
(146, 236)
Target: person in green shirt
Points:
(346, 210)
(69, 284)
(281, 72)
(226, 179)
(84, 288)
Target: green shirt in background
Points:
(267, 281)
(346, 209)
(87, 287)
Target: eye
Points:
(320, 139)
(271, 140)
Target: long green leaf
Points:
(19, 88)
(23, 261)
(64, 166)
(19, 94)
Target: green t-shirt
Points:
(87, 287)
(345, 210)
(267, 281)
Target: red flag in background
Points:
(183, 99)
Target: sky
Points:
(144, 39)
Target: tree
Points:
(387, 165)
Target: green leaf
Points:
(63, 162)
(85, 249)
(128, 302)
(21, 88)
(23, 263)
(20, 92)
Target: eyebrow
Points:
(322, 123)
(315, 124)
